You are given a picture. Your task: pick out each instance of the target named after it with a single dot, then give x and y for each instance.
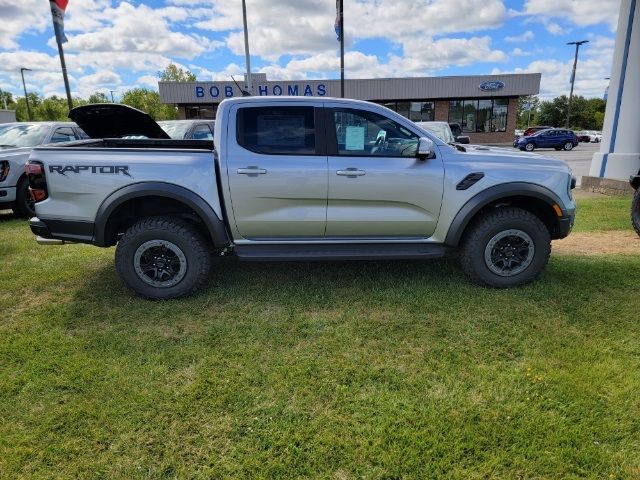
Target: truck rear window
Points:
(277, 130)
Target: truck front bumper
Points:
(565, 224)
(7, 194)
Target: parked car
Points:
(443, 132)
(188, 129)
(16, 142)
(297, 179)
(531, 130)
(553, 138)
(460, 137)
(635, 204)
(583, 136)
(518, 133)
(595, 137)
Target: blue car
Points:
(551, 138)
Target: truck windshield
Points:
(440, 130)
(176, 130)
(23, 135)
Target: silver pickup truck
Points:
(294, 178)
(16, 142)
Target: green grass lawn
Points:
(324, 370)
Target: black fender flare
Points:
(215, 226)
(484, 198)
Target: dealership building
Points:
(485, 106)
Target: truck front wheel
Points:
(505, 247)
(163, 258)
(635, 211)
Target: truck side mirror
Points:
(426, 148)
(464, 139)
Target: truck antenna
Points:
(244, 92)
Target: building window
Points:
(417, 111)
(201, 112)
(487, 115)
(499, 117)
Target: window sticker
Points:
(354, 138)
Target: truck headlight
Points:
(4, 170)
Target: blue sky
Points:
(117, 45)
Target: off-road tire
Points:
(24, 206)
(490, 224)
(180, 233)
(635, 211)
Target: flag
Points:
(337, 25)
(57, 12)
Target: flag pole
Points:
(57, 21)
(64, 73)
(341, 48)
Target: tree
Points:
(553, 112)
(586, 113)
(98, 97)
(527, 110)
(6, 98)
(173, 73)
(52, 108)
(21, 107)
(149, 101)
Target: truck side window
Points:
(277, 130)
(364, 133)
(202, 132)
(63, 134)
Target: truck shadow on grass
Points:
(239, 290)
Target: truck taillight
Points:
(37, 180)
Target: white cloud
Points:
(554, 29)
(583, 12)
(593, 66)
(518, 52)
(525, 37)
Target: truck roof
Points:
(286, 98)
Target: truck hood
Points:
(511, 157)
(112, 120)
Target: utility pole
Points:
(111, 91)
(341, 48)
(573, 77)
(24, 85)
(248, 81)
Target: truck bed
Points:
(149, 143)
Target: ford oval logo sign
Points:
(491, 86)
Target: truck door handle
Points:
(351, 172)
(251, 171)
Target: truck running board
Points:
(341, 251)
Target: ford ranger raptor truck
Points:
(294, 178)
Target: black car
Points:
(551, 138)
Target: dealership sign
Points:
(491, 86)
(226, 91)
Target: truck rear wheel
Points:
(635, 211)
(163, 258)
(505, 247)
(24, 206)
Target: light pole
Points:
(24, 85)
(111, 91)
(573, 76)
(248, 81)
